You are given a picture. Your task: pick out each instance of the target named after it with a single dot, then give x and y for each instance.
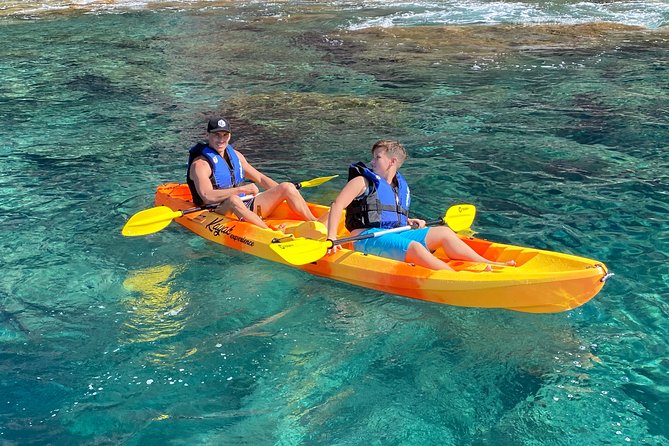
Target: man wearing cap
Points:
(216, 174)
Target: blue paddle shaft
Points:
(384, 232)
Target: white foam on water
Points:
(648, 13)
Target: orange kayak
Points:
(541, 282)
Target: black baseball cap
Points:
(218, 125)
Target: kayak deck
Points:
(541, 282)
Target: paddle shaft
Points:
(300, 251)
(355, 238)
(153, 220)
(213, 205)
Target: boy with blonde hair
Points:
(378, 198)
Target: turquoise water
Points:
(556, 131)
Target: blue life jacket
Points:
(384, 206)
(224, 175)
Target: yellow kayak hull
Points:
(542, 282)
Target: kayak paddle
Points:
(315, 182)
(301, 251)
(157, 218)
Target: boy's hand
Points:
(334, 248)
(416, 222)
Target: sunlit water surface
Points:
(554, 126)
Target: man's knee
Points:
(235, 202)
(287, 188)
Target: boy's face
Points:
(381, 162)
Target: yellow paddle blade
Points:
(316, 181)
(301, 250)
(460, 217)
(149, 221)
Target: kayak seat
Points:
(314, 230)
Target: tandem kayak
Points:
(541, 282)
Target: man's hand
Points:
(250, 189)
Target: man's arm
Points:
(253, 174)
(200, 171)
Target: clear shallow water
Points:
(556, 132)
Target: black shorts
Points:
(249, 203)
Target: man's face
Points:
(219, 140)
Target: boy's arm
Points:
(353, 188)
